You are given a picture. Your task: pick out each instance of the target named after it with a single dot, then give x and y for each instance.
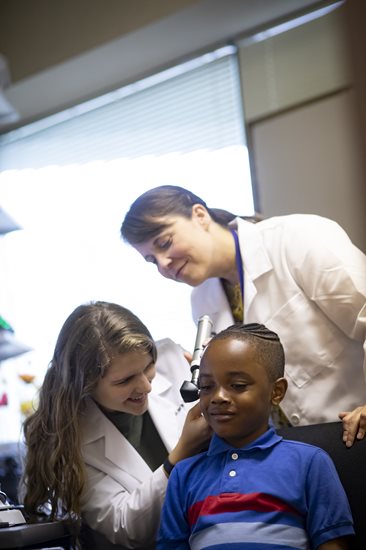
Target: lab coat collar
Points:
(168, 418)
(105, 448)
(254, 256)
(94, 422)
(210, 298)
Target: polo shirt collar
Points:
(265, 441)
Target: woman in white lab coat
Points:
(109, 427)
(300, 275)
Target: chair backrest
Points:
(350, 464)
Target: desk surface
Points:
(27, 534)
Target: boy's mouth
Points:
(221, 415)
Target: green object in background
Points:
(9, 345)
(4, 325)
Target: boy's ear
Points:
(278, 391)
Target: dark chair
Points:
(92, 539)
(350, 464)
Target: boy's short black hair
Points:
(266, 343)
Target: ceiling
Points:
(62, 53)
(37, 34)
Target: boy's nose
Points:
(219, 396)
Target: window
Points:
(69, 179)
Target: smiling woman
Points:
(110, 413)
(126, 383)
(174, 229)
(186, 249)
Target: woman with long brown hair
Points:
(109, 427)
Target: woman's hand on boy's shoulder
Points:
(354, 424)
(335, 544)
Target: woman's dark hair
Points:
(147, 215)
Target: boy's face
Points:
(235, 391)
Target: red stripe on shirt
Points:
(237, 502)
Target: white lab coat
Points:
(123, 497)
(305, 280)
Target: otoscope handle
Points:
(189, 390)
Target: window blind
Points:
(194, 106)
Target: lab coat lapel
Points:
(254, 257)
(168, 415)
(101, 439)
(116, 448)
(124, 455)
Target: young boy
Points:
(251, 489)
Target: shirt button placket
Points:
(232, 473)
(234, 456)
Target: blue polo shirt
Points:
(272, 494)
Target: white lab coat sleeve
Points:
(331, 272)
(127, 518)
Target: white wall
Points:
(299, 108)
(306, 161)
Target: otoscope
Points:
(189, 390)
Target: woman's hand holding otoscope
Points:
(189, 389)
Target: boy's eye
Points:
(204, 387)
(239, 386)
